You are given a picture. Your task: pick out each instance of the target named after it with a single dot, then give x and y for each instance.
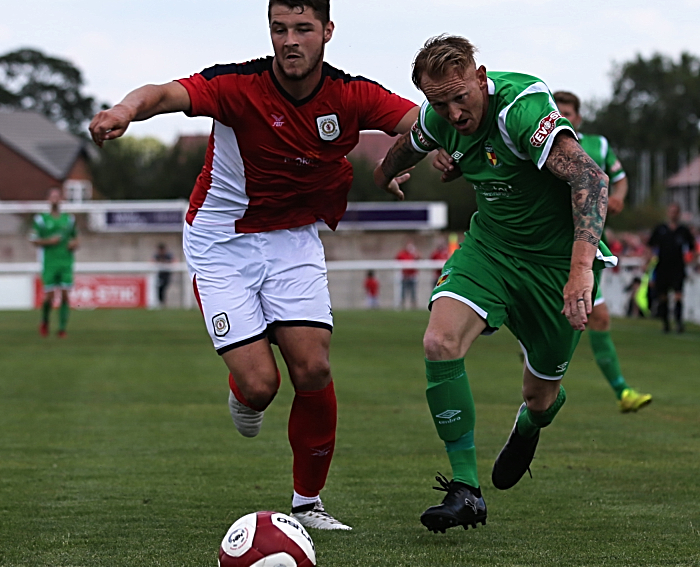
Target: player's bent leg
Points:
(544, 397)
(452, 329)
(606, 357)
(678, 309)
(63, 312)
(312, 420)
(254, 381)
(46, 312)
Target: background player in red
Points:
(275, 165)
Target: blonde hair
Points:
(442, 54)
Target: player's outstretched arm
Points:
(140, 104)
(618, 192)
(401, 157)
(589, 198)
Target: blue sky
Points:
(570, 44)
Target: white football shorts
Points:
(246, 284)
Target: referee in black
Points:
(671, 240)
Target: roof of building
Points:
(687, 176)
(40, 141)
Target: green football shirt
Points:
(523, 209)
(46, 226)
(600, 151)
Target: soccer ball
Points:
(267, 539)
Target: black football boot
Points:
(514, 459)
(462, 506)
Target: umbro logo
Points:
(278, 121)
(562, 367)
(449, 414)
(457, 156)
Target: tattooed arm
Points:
(402, 156)
(589, 199)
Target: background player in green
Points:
(531, 250)
(57, 236)
(599, 321)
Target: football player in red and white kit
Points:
(275, 165)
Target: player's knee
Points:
(441, 345)
(311, 374)
(541, 399)
(260, 393)
(599, 320)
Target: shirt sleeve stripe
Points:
(549, 142)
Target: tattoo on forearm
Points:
(400, 156)
(589, 187)
(586, 236)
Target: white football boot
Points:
(247, 420)
(315, 516)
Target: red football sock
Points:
(312, 423)
(239, 395)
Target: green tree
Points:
(655, 106)
(32, 80)
(129, 167)
(146, 168)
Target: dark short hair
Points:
(321, 7)
(442, 54)
(565, 97)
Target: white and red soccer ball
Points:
(267, 539)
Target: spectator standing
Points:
(408, 275)
(442, 252)
(163, 258)
(372, 290)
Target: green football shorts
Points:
(599, 292)
(58, 276)
(526, 297)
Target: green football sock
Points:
(452, 407)
(45, 311)
(530, 422)
(63, 312)
(606, 357)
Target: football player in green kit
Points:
(56, 234)
(628, 399)
(527, 261)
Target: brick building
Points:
(35, 155)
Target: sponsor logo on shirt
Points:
(277, 121)
(491, 156)
(545, 128)
(328, 127)
(494, 190)
(221, 324)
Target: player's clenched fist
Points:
(110, 124)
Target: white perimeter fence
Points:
(346, 282)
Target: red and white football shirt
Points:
(274, 162)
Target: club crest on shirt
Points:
(444, 278)
(546, 127)
(221, 324)
(491, 156)
(328, 127)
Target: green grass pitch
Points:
(116, 449)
